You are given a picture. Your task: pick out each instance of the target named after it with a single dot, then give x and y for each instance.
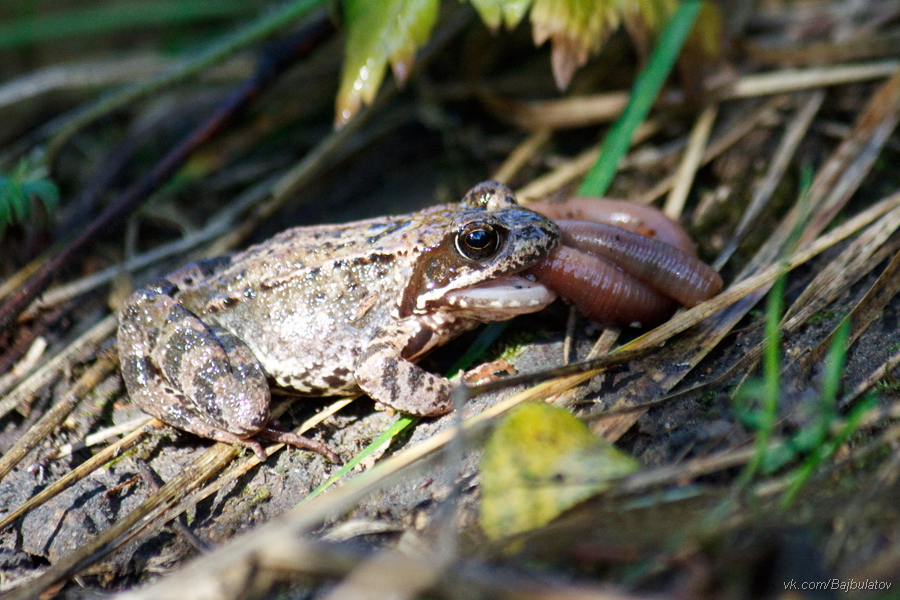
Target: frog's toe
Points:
(298, 441)
(254, 446)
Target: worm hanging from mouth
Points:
(614, 273)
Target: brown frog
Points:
(329, 310)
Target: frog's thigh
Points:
(384, 375)
(197, 378)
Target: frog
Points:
(329, 310)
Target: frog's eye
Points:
(478, 241)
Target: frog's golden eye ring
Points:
(478, 241)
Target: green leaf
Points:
(539, 462)
(11, 195)
(43, 189)
(378, 33)
(495, 12)
(25, 183)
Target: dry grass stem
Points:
(836, 50)
(795, 80)
(690, 162)
(102, 435)
(582, 111)
(56, 415)
(83, 75)
(742, 127)
(579, 111)
(868, 309)
(573, 169)
(523, 153)
(85, 343)
(83, 470)
(859, 258)
(787, 148)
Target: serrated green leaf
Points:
(25, 183)
(539, 462)
(378, 33)
(507, 12)
(576, 28)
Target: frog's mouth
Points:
(501, 298)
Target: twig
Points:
(43, 376)
(690, 162)
(80, 472)
(52, 418)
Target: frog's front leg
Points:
(386, 376)
(196, 377)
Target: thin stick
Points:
(520, 156)
(690, 162)
(53, 417)
(81, 471)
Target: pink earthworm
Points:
(619, 276)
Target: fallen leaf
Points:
(539, 462)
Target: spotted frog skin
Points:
(329, 310)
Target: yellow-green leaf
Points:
(576, 28)
(379, 32)
(495, 12)
(539, 462)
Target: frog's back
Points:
(310, 298)
(296, 252)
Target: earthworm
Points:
(601, 291)
(629, 216)
(664, 268)
(623, 263)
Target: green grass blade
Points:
(643, 95)
(488, 336)
(834, 369)
(402, 422)
(771, 378)
(114, 17)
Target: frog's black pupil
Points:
(479, 239)
(478, 242)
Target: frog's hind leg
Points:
(197, 378)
